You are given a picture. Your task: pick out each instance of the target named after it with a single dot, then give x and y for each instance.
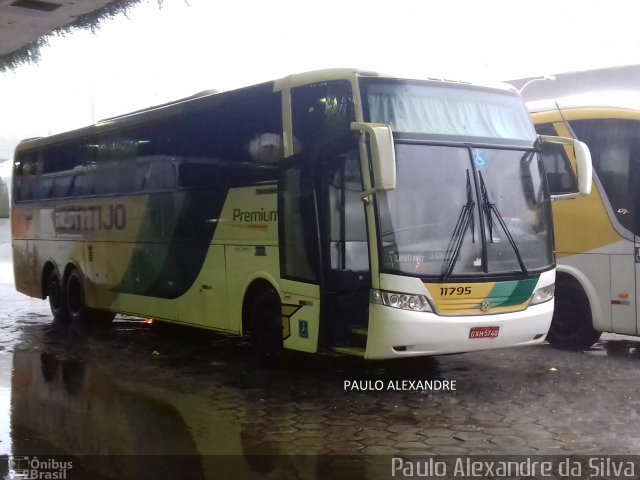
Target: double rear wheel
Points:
(67, 300)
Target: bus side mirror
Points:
(383, 156)
(584, 167)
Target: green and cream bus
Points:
(340, 209)
(597, 236)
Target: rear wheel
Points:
(265, 323)
(572, 324)
(74, 296)
(55, 293)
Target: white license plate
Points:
(484, 332)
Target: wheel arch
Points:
(257, 283)
(571, 274)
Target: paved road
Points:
(139, 388)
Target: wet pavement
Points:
(144, 400)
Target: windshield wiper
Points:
(490, 210)
(462, 225)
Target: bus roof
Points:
(350, 73)
(175, 106)
(613, 99)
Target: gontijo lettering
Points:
(90, 218)
(261, 215)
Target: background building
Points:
(624, 79)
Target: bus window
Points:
(196, 174)
(28, 187)
(148, 141)
(560, 176)
(160, 175)
(348, 249)
(19, 177)
(62, 185)
(142, 169)
(115, 159)
(298, 240)
(83, 183)
(223, 128)
(615, 154)
(322, 113)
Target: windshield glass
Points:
(448, 111)
(442, 198)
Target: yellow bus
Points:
(340, 209)
(597, 243)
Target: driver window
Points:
(322, 114)
(348, 231)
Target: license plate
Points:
(484, 332)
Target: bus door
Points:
(298, 238)
(347, 281)
(324, 255)
(322, 235)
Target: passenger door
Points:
(298, 237)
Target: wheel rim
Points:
(75, 299)
(55, 293)
(566, 318)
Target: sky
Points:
(154, 55)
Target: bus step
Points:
(360, 331)
(359, 337)
(357, 351)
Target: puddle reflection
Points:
(616, 346)
(188, 412)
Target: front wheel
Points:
(572, 324)
(265, 323)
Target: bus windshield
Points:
(470, 196)
(450, 111)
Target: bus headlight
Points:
(543, 294)
(403, 301)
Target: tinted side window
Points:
(224, 126)
(560, 176)
(159, 174)
(322, 114)
(348, 246)
(615, 152)
(24, 176)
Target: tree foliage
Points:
(92, 21)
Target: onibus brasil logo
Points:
(34, 468)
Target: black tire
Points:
(55, 294)
(265, 324)
(572, 324)
(74, 296)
